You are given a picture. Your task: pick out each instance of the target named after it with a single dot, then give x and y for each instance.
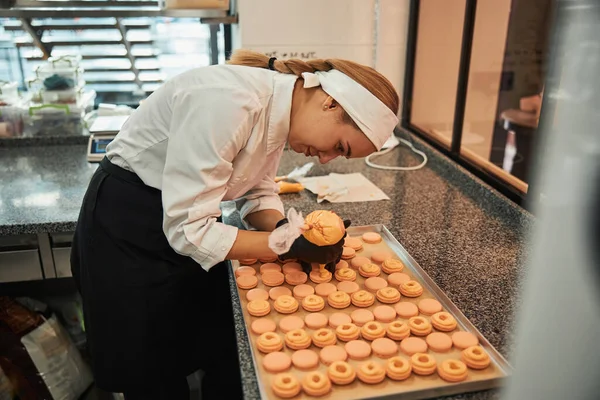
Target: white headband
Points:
(373, 117)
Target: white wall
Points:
(392, 26)
(350, 29)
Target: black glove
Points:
(307, 252)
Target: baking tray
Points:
(416, 387)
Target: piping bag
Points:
(320, 227)
(297, 173)
(294, 176)
(323, 228)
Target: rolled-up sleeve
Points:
(209, 126)
(263, 196)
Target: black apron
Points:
(150, 314)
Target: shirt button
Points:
(223, 248)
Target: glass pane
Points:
(437, 60)
(505, 81)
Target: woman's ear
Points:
(330, 104)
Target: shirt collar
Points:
(281, 108)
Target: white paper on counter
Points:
(343, 188)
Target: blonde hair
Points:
(370, 79)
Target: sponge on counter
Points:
(324, 228)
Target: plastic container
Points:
(41, 95)
(67, 61)
(67, 96)
(59, 119)
(9, 92)
(35, 87)
(11, 121)
(72, 74)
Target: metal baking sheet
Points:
(415, 387)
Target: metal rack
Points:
(109, 8)
(38, 44)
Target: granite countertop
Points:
(469, 239)
(42, 188)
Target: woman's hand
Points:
(307, 252)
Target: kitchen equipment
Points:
(415, 387)
(59, 119)
(102, 132)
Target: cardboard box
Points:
(196, 4)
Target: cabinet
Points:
(36, 257)
(61, 253)
(20, 259)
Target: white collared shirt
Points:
(211, 134)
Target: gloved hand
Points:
(307, 252)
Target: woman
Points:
(149, 245)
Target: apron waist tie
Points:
(119, 172)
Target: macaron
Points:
(375, 283)
(339, 318)
(380, 256)
(295, 278)
(348, 253)
(272, 278)
(439, 342)
(277, 362)
(384, 313)
(348, 287)
(257, 294)
(429, 306)
(263, 325)
(301, 291)
(398, 278)
(371, 237)
(290, 323)
(245, 271)
(392, 266)
(325, 289)
(358, 349)
(277, 291)
(291, 267)
(412, 345)
(362, 316)
(316, 277)
(246, 281)
(305, 359)
(353, 243)
(384, 347)
(316, 320)
(359, 261)
(329, 354)
(462, 339)
(406, 309)
(270, 267)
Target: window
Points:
(475, 73)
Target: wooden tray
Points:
(415, 387)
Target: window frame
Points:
(454, 151)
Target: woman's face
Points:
(317, 129)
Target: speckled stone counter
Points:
(469, 239)
(42, 188)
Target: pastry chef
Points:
(149, 246)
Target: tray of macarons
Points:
(379, 327)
